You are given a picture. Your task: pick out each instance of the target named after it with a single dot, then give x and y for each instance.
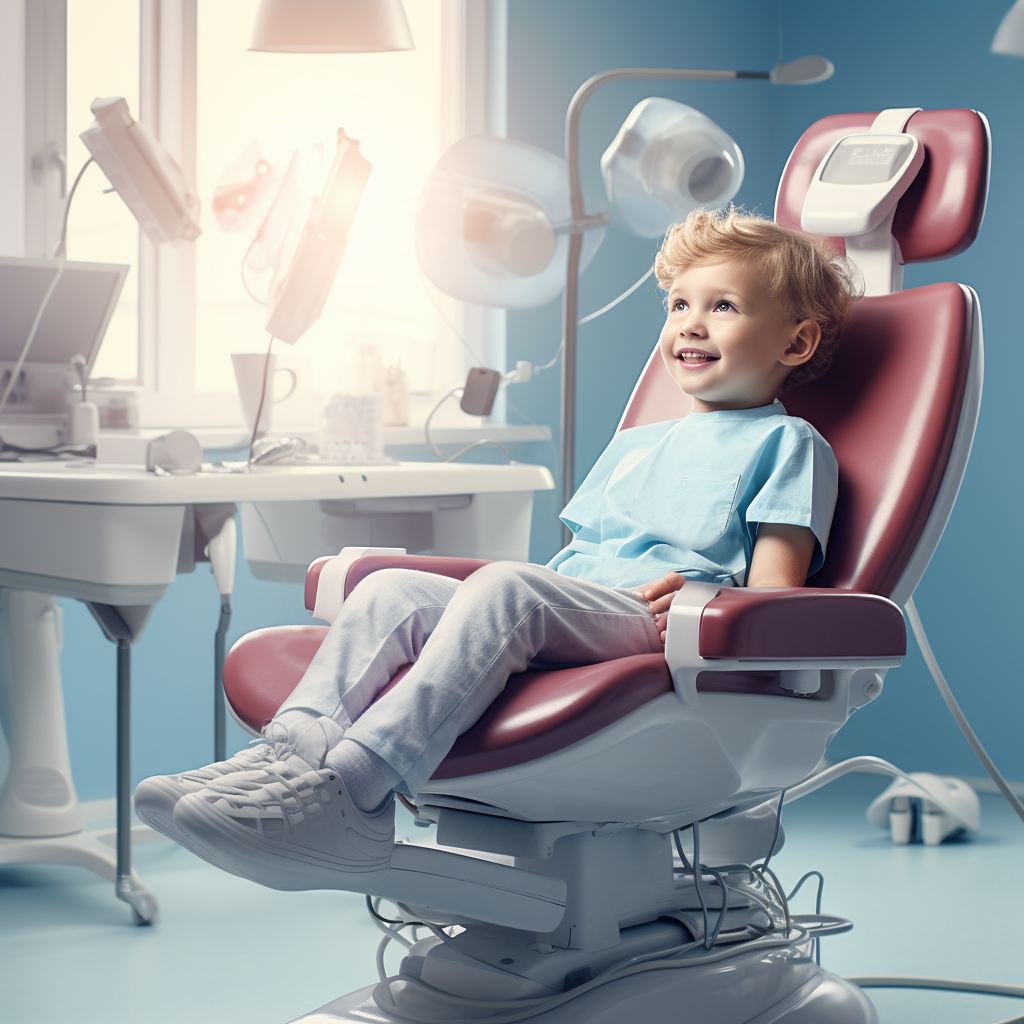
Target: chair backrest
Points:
(900, 402)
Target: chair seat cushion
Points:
(538, 712)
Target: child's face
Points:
(726, 341)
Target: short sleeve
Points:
(801, 481)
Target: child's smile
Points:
(726, 341)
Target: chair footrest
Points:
(475, 888)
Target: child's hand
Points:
(658, 595)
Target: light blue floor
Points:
(228, 950)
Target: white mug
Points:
(249, 367)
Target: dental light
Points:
(493, 226)
(667, 160)
(1009, 37)
(298, 296)
(142, 173)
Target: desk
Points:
(115, 537)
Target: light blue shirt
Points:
(687, 495)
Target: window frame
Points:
(474, 74)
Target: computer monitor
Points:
(73, 323)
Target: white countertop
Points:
(133, 485)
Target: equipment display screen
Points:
(865, 163)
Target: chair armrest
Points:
(441, 565)
(329, 580)
(801, 622)
(797, 631)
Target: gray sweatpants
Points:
(465, 640)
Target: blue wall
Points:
(932, 55)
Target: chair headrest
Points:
(941, 212)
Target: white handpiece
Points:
(221, 553)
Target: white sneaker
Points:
(156, 797)
(289, 832)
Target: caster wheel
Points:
(145, 909)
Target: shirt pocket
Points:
(692, 512)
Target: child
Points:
(736, 493)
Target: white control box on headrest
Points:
(859, 183)
(854, 192)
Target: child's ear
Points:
(804, 343)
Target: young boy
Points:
(738, 493)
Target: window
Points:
(185, 70)
(103, 60)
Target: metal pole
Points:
(219, 741)
(124, 829)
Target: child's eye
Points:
(678, 304)
(723, 306)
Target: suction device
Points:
(929, 809)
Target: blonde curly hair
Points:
(807, 280)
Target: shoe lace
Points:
(293, 793)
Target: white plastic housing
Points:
(492, 224)
(330, 590)
(298, 299)
(859, 182)
(667, 160)
(945, 805)
(144, 174)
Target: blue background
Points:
(904, 53)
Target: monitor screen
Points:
(75, 318)
(859, 162)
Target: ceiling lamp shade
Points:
(1009, 37)
(667, 160)
(492, 224)
(331, 26)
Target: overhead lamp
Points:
(331, 26)
(1009, 37)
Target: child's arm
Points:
(781, 558)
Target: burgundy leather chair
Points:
(754, 683)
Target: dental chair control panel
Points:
(601, 824)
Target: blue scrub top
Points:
(687, 495)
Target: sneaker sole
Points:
(235, 848)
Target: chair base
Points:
(691, 996)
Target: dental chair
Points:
(558, 811)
